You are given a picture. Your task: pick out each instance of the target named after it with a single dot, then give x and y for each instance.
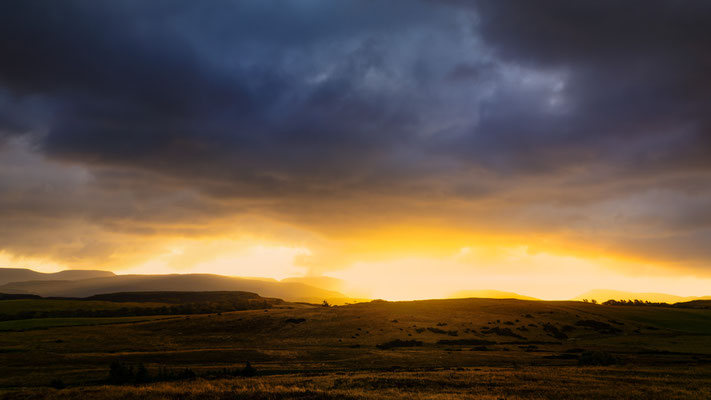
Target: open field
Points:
(425, 349)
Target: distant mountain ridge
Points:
(289, 291)
(8, 275)
(605, 294)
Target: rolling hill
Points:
(8, 275)
(289, 291)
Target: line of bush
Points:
(399, 343)
(178, 309)
(121, 373)
(465, 342)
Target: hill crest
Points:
(8, 275)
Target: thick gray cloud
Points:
(546, 115)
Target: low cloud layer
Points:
(563, 126)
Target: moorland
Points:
(431, 349)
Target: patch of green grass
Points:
(12, 307)
(41, 323)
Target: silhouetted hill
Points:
(8, 275)
(602, 295)
(489, 294)
(289, 291)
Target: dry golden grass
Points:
(480, 383)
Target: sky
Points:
(411, 148)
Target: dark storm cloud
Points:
(320, 107)
(156, 86)
(635, 71)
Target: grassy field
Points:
(466, 348)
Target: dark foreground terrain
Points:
(437, 349)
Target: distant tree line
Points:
(176, 309)
(635, 302)
(700, 304)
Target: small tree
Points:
(249, 370)
(593, 301)
(325, 304)
(142, 375)
(57, 383)
(119, 373)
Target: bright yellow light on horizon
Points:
(404, 263)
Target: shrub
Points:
(442, 331)
(142, 375)
(249, 370)
(120, 373)
(552, 330)
(503, 332)
(598, 326)
(597, 358)
(398, 343)
(465, 342)
(57, 383)
(187, 374)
